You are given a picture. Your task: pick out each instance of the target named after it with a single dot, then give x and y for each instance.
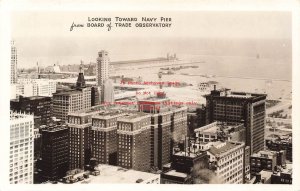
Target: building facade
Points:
(103, 137)
(102, 72)
(263, 160)
(134, 148)
(54, 152)
(227, 161)
(247, 108)
(13, 64)
(40, 106)
(28, 87)
(21, 156)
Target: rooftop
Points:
(133, 117)
(264, 154)
(114, 174)
(66, 93)
(19, 115)
(175, 173)
(216, 150)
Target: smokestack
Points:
(215, 87)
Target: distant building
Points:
(54, 152)
(108, 91)
(134, 149)
(21, 148)
(195, 118)
(13, 64)
(263, 160)
(227, 161)
(103, 136)
(28, 87)
(232, 107)
(40, 106)
(102, 72)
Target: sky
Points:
(45, 36)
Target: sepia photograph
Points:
(150, 97)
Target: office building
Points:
(39, 106)
(108, 91)
(134, 149)
(76, 99)
(21, 148)
(263, 160)
(103, 137)
(79, 125)
(102, 72)
(168, 127)
(54, 152)
(28, 87)
(185, 168)
(227, 161)
(281, 143)
(247, 108)
(13, 64)
(220, 131)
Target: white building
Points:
(13, 63)
(228, 160)
(21, 148)
(102, 72)
(109, 95)
(33, 87)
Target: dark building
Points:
(103, 137)
(195, 119)
(134, 148)
(248, 108)
(94, 96)
(185, 167)
(54, 152)
(284, 177)
(40, 106)
(168, 125)
(263, 160)
(278, 144)
(79, 125)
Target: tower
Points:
(13, 63)
(80, 80)
(102, 72)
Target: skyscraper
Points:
(134, 148)
(102, 72)
(235, 107)
(103, 137)
(21, 148)
(55, 152)
(13, 63)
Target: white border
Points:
(143, 5)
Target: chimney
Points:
(215, 87)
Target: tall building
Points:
(232, 107)
(134, 148)
(79, 125)
(13, 64)
(102, 72)
(103, 137)
(21, 148)
(76, 99)
(40, 106)
(54, 152)
(168, 127)
(227, 161)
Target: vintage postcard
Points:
(110, 95)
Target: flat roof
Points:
(68, 92)
(227, 147)
(175, 173)
(115, 174)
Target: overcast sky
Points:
(47, 34)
